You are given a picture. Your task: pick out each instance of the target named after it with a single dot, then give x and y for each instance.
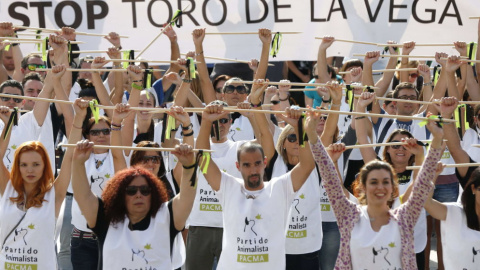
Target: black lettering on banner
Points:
(390, 13)
(276, 6)
(312, 13)
(41, 11)
(134, 10)
(187, 12)
(204, 13)
(456, 14)
(91, 16)
(19, 16)
(341, 8)
(415, 15)
(247, 10)
(76, 10)
(373, 17)
(149, 11)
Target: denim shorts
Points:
(446, 192)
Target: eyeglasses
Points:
(241, 89)
(96, 132)
(223, 120)
(324, 118)
(275, 102)
(315, 76)
(396, 146)
(218, 90)
(153, 159)
(413, 75)
(7, 99)
(408, 97)
(132, 190)
(292, 138)
(33, 67)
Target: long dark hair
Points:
(113, 195)
(468, 200)
(138, 155)
(386, 155)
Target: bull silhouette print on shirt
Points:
(139, 254)
(98, 179)
(20, 233)
(475, 252)
(251, 222)
(381, 250)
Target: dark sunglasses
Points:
(315, 76)
(396, 146)
(223, 120)
(218, 90)
(292, 138)
(275, 102)
(408, 97)
(33, 67)
(241, 89)
(324, 118)
(96, 132)
(153, 159)
(7, 99)
(413, 75)
(132, 190)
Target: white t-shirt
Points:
(255, 223)
(461, 245)
(241, 130)
(471, 137)
(97, 179)
(207, 210)
(375, 250)
(31, 244)
(148, 249)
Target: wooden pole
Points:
(352, 41)
(134, 148)
(227, 59)
(458, 165)
(417, 44)
(59, 30)
(250, 33)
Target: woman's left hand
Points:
(179, 114)
(184, 154)
(82, 151)
(412, 146)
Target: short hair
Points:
(137, 156)
(468, 201)
(402, 86)
(87, 126)
(220, 102)
(220, 78)
(249, 147)
(235, 80)
(32, 76)
(24, 62)
(11, 83)
(84, 60)
(351, 63)
(476, 109)
(389, 95)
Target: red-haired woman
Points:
(30, 203)
(134, 221)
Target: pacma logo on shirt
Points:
(208, 196)
(253, 244)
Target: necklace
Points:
(99, 162)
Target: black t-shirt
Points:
(463, 180)
(101, 228)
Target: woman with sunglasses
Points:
(135, 222)
(399, 157)
(373, 235)
(31, 199)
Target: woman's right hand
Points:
(121, 112)
(179, 114)
(437, 132)
(5, 114)
(80, 107)
(82, 151)
(335, 151)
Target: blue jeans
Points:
(63, 256)
(330, 245)
(308, 261)
(446, 192)
(84, 253)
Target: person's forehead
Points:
(11, 90)
(407, 91)
(33, 84)
(35, 60)
(86, 65)
(250, 156)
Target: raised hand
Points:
(98, 62)
(408, 47)
(213, 112)
(257, 91)
(327, 41)
(461, 47)
(135, 74)
(424, 71)
(6, 29)
(80, 107)
(179, 114)
(170, 32)
(59, 46)
(184, 154)
(5, 113)
(371, 57)
(365, 99)
(432, 126)
(439, 56)
(198, 36)
(336, 91)
(67, 33)
(335, 151)
(121, 112)
(412, 146)
(447, 106)
(391, 49)
(83, 150)
(356, 74)
(58, 71)
(453, 63)
(324, 92)
(173, 77)
(291, 115)
(253, 65)
(114, 53)
(265, 35)
(114, 38)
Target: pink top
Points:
(348, 213)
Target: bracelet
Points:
(189, 167)
(285, 99)
(115, 128)
(336, 105)
(256, 105)
(187, 80)
(138, 87)
(327, 100)
(188, 134)
(119, 47)
(116, 66)
(428, 84)
(360, 117)
(197, 54)
(187, 127)
(174, 129)
(76, 126)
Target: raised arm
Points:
(322, 70)
(205, 82)
(266, 135)
(384, 82)
(183, 201)
(435, 208)
(453, 63)
(211, 113)
(265, 36)
(441, 85)
(121, 112)
(406, 50)
(182, 94)
(306, 164)
(174, 54)
(100, 89)
(461, 47)
(328, 133)
(87, 201)
(5, 174)
(367, 78)
(115, 78)
(362, 124)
